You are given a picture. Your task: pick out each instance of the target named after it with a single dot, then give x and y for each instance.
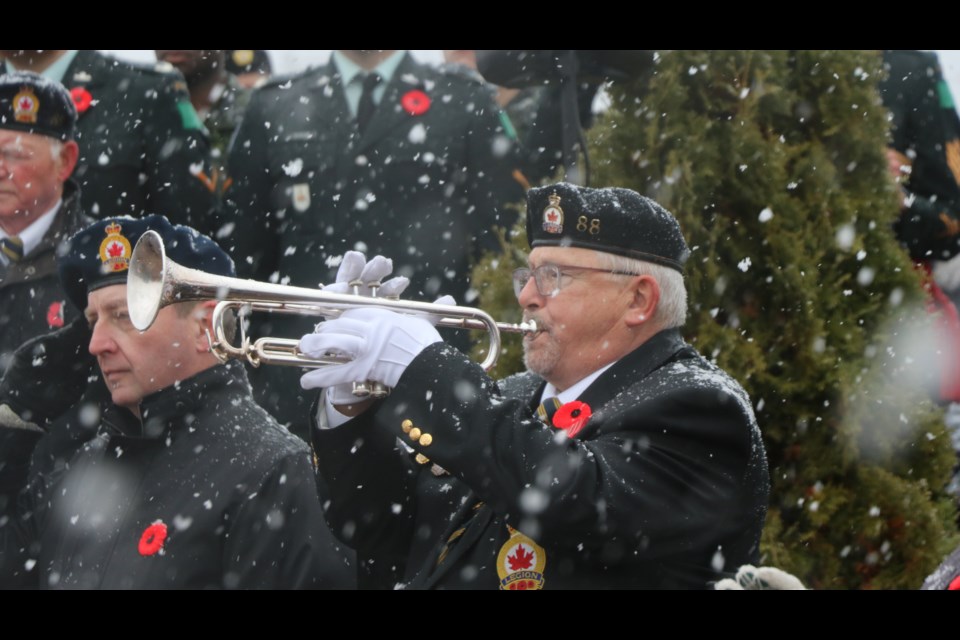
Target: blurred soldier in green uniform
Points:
(217, 96)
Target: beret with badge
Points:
(99, 255)
(612, 220)
(240, 61)
(34, 104)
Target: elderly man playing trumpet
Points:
(621, 459)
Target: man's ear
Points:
(645, 291)
(69, 154)
(203, 323)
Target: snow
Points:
(418, 134)
(294, 167)
(845, 236)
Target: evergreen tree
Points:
(773, 162)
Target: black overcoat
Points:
(665, 487)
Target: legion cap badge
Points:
(25, 106)
(115, 250)
(553, 215)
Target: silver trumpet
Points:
(154, 281)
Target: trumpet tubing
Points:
(154, 281)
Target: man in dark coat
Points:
(650, 472)
(143, 148)
(372, 152)
(39, 206)
(167, 474)
(217, 96)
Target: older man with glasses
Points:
(621, 459)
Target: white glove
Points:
(354, 266)
(381, 344)
(750, 578)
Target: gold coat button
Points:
(425, 440)
(415, 434)
(421, 459)
(406, 425)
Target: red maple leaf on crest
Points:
(115, 250)
(522, 559)
(26, 104)
(552, 216)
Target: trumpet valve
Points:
(379, 390)
(361, 390)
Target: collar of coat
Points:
(663, 348)
(174, 408)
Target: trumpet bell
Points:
(145, 280)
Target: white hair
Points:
(671, 311)
(56, 147)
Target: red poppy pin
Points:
(81, 99)
(415, 102)
(55, 315)
(954, 584)
(572, 417)
(152, 539)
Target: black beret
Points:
(611, 220)
(247, 60)
(31, 103)
(99, 255)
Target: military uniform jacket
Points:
(926, 130)
(425, 185)
(206, 491)
(31, 300)
(142, 146)
(666, 486)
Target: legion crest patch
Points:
(115, 250)
(25, 106)
(553, 215)
(520, 563)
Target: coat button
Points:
(425, 440)
(421, 459)
(406, 425)
(414, 434)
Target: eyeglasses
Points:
(547, 277)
